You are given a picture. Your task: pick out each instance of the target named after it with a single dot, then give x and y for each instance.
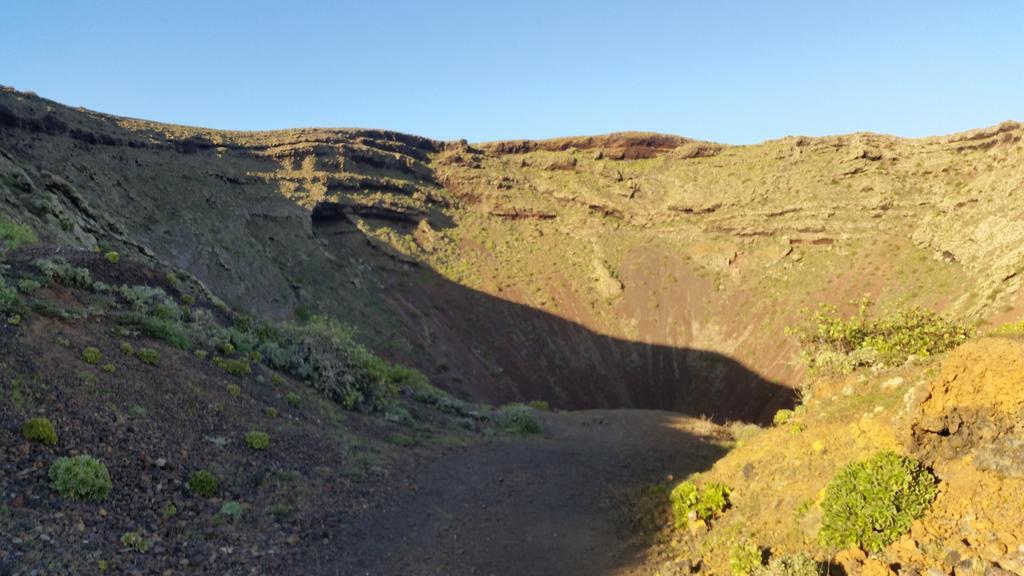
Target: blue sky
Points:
(736, 72)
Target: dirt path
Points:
(551, 505)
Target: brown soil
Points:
(567, 503)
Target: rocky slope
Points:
(625, 270)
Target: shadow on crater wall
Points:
(496, 351)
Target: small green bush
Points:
(39, 430)
(14, 235)
(232, 509)
(112, 257)
(257, 440)
(204, 484)
(1010, 330)
(294, 400)
(782, 417)
(745, 558)
(60, 271)
(9, 299)
(92, 355)
(794, 565)
(518, 419)
(870, 504)
(28, 285)
(234, 389)
(80, 478)
(540, 405)
(109, 368)
(135, 541)
(170, 510)
(233, 366)
(127, 349)
(148, 356)
(271, 412)
(705, 503)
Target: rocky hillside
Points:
(625, 270)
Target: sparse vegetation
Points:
(869, 504)
(234, 389)
(790, 565)
(80, 478)
(204, 484)
(39, 430)
(834, 344)
(293, 399)
(60, 271)
(112, 257)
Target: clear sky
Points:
(730, 71)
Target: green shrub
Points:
(271, 412)
(92, 355)
(135, 541)
(39, 430)
(233, 366)
(170, 510)
(148, 356)
(540, 405)
(704, 503)
(188, 299)
(234, 389)
(14, 235)
(80, 478)
(745, 558)
(28, 285)
(833, 343)
(201, 354)
(127, 349)
(9, 299)
(782, 416)
(204, 484)
(1010, 330)
(257, 440)
(140, 297)
(232, 509)
(109, 368)
(518, 419)
(794, 565)
(870, 504)
(166, 330)
(324, 354)
(60, 271)
(112, 257)
(293, 399)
